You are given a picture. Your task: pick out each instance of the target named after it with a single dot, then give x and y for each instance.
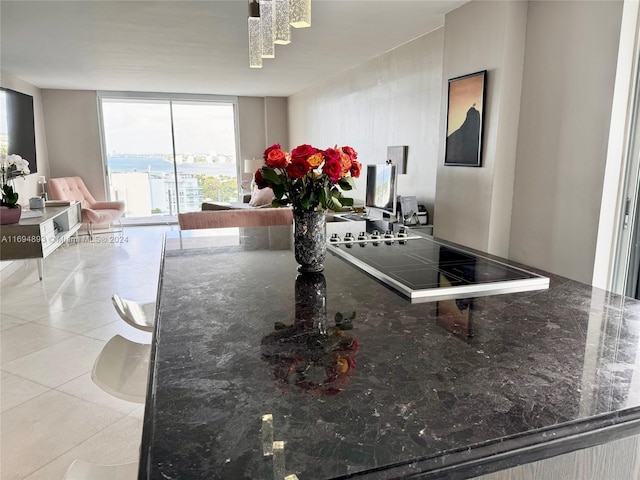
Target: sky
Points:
(144, 127)
(463, 94)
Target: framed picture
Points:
(465, 118)
(398, 156)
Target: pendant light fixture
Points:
(282, 29)
(255, 35)
(270, 23)
(300, 13)
(266, 23)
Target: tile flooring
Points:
(51, 332)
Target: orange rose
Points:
(315, 160)
(276, 158)
(275, 146)
(345, 163)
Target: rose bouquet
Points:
(10, 167)
(308, 178)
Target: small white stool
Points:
(138, 315)
(122, 368)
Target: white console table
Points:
(37, 237)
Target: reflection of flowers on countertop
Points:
(317, 360)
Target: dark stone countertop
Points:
(447, 389)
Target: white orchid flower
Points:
(21, 165)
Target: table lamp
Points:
(250, 167)
(42, 181)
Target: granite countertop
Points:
(360, 383)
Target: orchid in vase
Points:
(11, 166)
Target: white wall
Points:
(551, 67)
(276, 121)
(251, 128)
(567, 92)
(473, 205)
(28, 187)
(391, 100)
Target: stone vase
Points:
(309, 240)
(10, 215)
(311, 302)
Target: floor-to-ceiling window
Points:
(168, 155)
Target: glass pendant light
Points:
(266, 18)
(255, 35)
(300, 13)
(282, 29)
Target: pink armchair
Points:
(93, 212)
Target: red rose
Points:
(351, 152)
(275, 146)
(332, 168)
(298, 167)
(303, 151)
(276, 158)
(356, 167)
(259, 179)
(331, 154)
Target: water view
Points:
(147, 184)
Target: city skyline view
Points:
(143, 139)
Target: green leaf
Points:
(334, 204)
(271, 176)
(9, 197)
(278, 191)
(347, 202)
(347, 183)
(323, 197)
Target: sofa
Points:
(258, 198)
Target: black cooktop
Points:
(424, 269)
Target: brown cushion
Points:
(216, 206)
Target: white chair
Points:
(138, 315)
(122, 368)
(80, 470)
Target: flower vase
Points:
(309, 240)
(311, 302)
(10, 215)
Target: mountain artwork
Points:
(464, 120)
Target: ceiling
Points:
(197, 46)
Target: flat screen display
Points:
(17, 130)
(381, 188)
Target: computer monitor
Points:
(380, 196)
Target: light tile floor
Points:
(51, 332)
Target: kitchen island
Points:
(352, 380)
